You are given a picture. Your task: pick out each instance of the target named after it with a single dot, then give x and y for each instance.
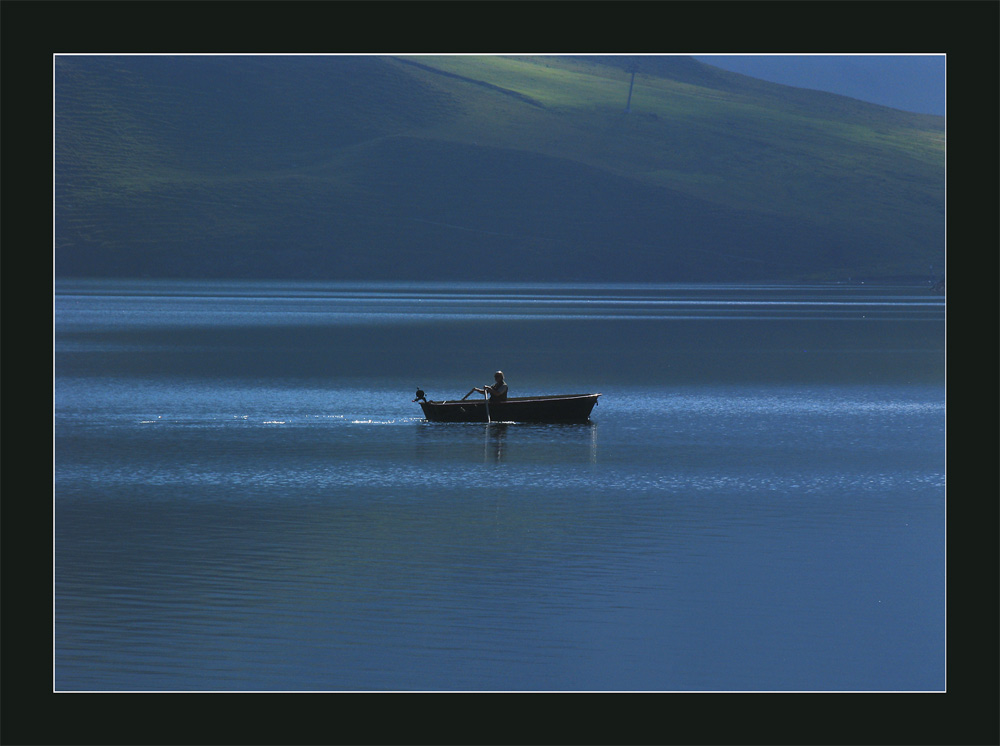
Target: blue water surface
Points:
(247, 499)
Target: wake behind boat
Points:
(569, 408)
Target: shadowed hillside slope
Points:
(469, 168)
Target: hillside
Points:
(471, 168)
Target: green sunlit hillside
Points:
(471, 168)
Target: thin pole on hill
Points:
(632, 67)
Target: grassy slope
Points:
(381, 167)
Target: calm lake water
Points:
(246, 498)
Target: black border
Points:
(963, 29)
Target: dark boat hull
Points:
(555, 409)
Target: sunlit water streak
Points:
(207, 304)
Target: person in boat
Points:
(498, 391)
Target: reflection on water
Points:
(548, 442)
(499, 442)
(495, 437)
(246, 496)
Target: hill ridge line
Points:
(482, 83)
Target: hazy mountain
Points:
(477, 168)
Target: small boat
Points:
(555, 409)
